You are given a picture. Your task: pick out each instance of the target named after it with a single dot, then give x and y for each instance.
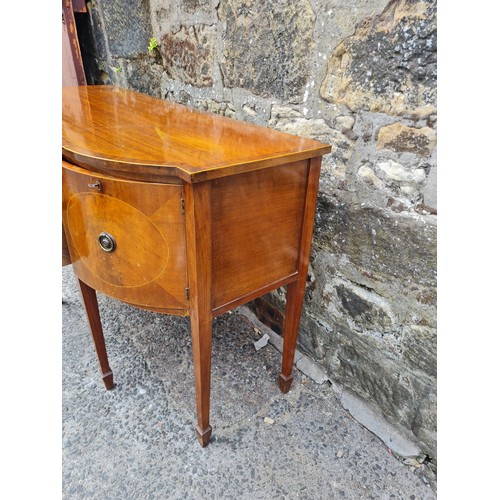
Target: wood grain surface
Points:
(148, 266)
(113, 130)
(256, 230)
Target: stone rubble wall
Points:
(360, 75)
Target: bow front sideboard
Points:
(182, 212)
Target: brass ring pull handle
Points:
(107, 242)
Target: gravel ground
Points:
(138, 442)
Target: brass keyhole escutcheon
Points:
(106, 242)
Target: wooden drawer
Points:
(126, 238)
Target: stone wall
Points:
(360, 75)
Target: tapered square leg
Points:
(199, 254)
(201, 333)
(91, 307)
(294, 300)
(296, 290)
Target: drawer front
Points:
(126, 238)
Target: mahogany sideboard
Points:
(182, 212)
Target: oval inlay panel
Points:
(141, 251)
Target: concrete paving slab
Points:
(138, 441)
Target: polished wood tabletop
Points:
(117, 131)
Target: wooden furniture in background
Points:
(186, 213)
(73, 72)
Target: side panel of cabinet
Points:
(256, 230)
(144, 222)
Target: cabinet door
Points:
(126, 239)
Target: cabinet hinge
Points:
(183, 206)
(187, 293)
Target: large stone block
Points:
(381, 307)
(336, 299)
(389, 64)
(382, 245)
(419, 344)
(400, 138)
(188, 54)
(267, 46)
(122, 29)
(406, 398)
(366, 309)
